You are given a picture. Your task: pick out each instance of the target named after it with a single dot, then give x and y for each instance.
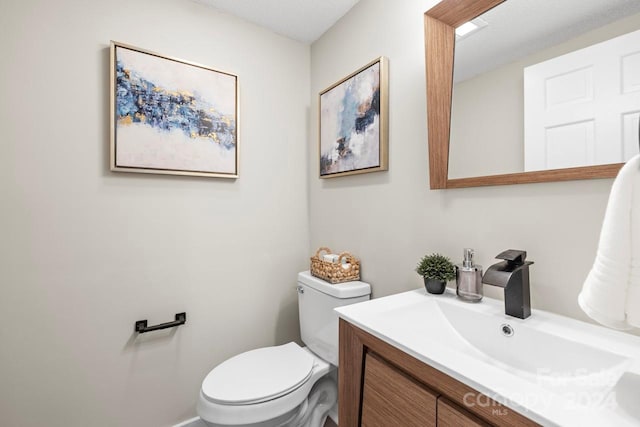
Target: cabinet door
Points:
(450, 415)
(390, 398)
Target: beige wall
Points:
(497, 97)
(86, 252)
(390, 219)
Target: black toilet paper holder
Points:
(141, 325)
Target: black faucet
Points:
(512, 275)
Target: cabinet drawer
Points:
(451, 415)
(391, 398)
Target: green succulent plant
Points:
(436, 266)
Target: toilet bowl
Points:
(272, 387)
(284, 385)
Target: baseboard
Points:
(193, 422)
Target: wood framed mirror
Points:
(441, 22)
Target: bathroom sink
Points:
(546, 364)
(558, 363)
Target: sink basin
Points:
(556, 362)
(557, 368)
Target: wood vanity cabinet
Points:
(382, 386)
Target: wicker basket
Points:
(335, 272)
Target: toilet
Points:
(285, 385)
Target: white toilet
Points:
(285, 385)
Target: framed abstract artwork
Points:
(170, 116)
(354, 122)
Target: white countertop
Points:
(464, 341)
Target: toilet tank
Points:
(318, 321)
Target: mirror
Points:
(492, 140)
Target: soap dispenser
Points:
(469, 278)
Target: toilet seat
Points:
(285, 405)
(258, 375)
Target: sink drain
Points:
(507, 330)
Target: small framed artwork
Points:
(170, 116)
(354, 122)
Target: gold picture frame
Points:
(353, 122)
(172, 117)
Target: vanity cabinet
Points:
(380, 386)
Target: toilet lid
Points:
(258, 375)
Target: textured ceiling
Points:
(303, 20)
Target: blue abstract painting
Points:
(350, 135)
(173, 116)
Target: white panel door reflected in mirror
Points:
(576, 106)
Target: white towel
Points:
(611, 293)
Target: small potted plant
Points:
(437, 270)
